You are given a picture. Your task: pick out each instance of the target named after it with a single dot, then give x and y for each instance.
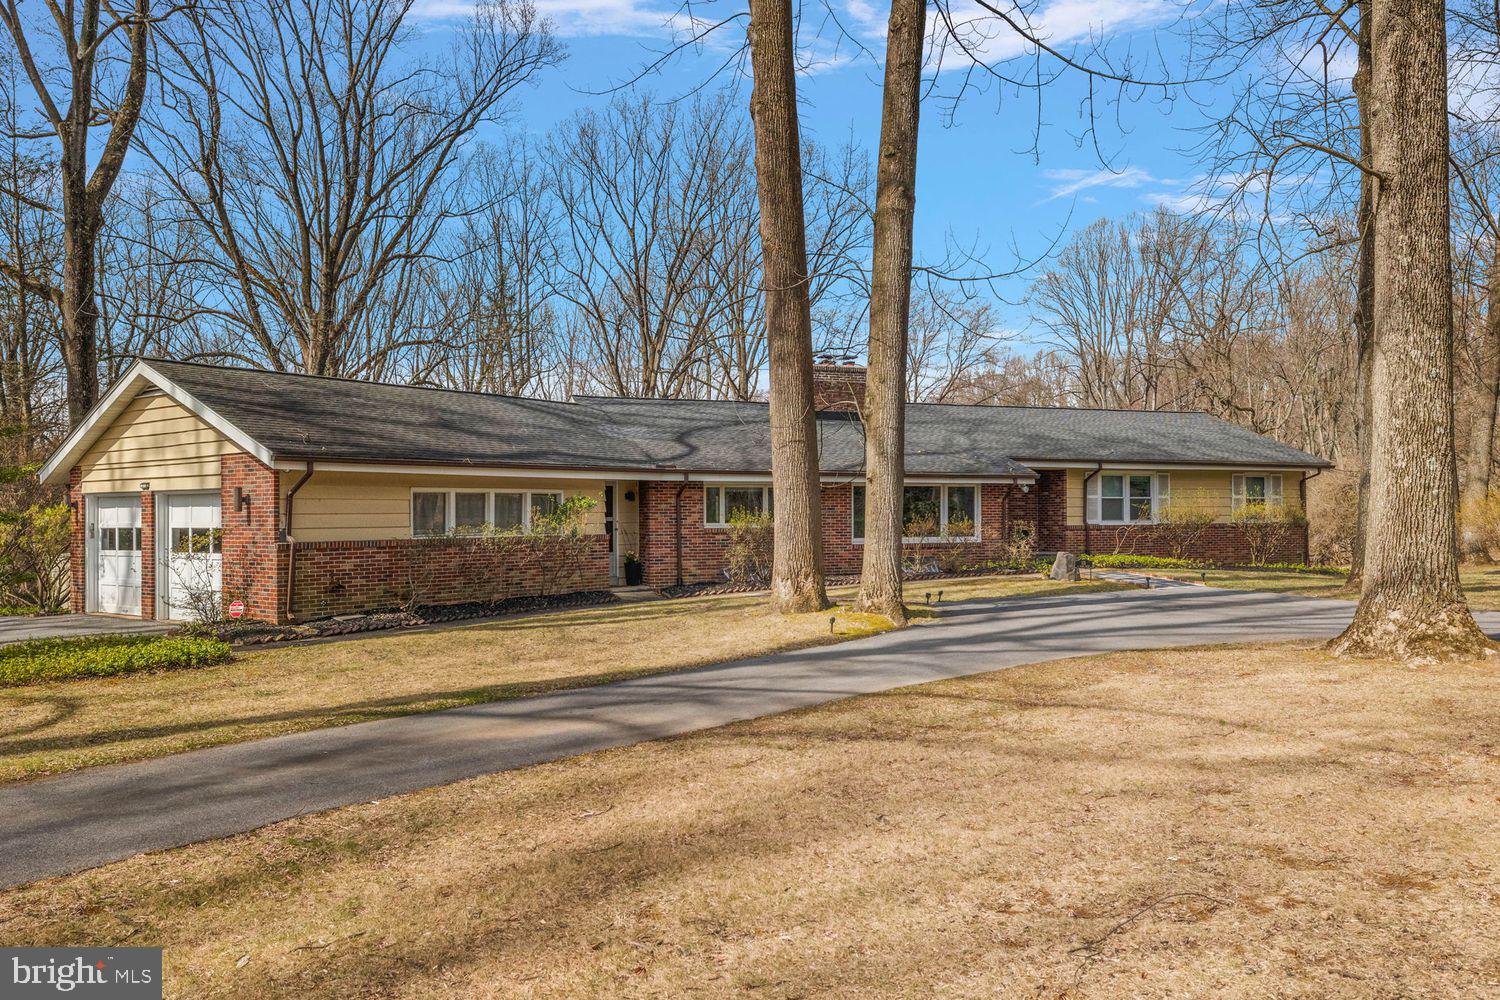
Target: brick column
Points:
(148, 555)
(77, 542)
(254, 569)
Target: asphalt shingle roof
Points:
(299, 416)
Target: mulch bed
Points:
(254, 633)
(716, 589)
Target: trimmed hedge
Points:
(104, 656)
(1123, 560)
(1284, 567)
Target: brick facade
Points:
(77, 543)
(1002, 507)
(342, 577)
(254, 562)
(148, 555)
(703, 548)
(1220, 543)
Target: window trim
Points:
(1274, 497)
(939, 539)
(765, 499)
(450, 511)
(1093, 498)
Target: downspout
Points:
(681, 488)
(1088, 545)
(1306, 523)
(291, 543)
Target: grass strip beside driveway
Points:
(1242, 821)
(1481, 584)
(56, 727)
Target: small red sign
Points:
(236, 609)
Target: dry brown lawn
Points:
(1230, 822)
(62, 726)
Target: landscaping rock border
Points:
(255, 633)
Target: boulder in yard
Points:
(1064, 567)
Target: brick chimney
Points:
(838, 386)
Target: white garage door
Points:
(117, 555)
(193, 542)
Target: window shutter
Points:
(1091, 512)
(1273, 491)
(1163, 494)
(1236, 491)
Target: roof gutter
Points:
(1302, 501)
(291, 543)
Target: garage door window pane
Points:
(508, 511)
(107, 539)
(468, 513)
(180, 540)
(429, 514)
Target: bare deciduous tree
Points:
(1411, 605)
(797, 570)
(85, 34)
(884, 410)
(318, 158)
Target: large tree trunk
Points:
(80, 310)
(1364, 308)
(890, 311)
(1411, 606)
(1474, 545)
(797, 565)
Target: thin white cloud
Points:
(1072, 181)
(574, 18)
(977, 33)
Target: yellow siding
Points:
(353, 506)
(628, 516)
(1210, 489)
(1075, 496)
(155, 440)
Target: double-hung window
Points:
(721, 504)
(1259, 488)
(471, 512)
(1127, 497)
(929, 512)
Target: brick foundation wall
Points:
(253, 569)
(703, 548)
(346, 577)
(1220, 543)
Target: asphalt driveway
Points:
(19, 628)
(87, 818)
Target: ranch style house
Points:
(301, 496)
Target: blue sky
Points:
(979, 182)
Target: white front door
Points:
(192, 542)
(117, 555)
